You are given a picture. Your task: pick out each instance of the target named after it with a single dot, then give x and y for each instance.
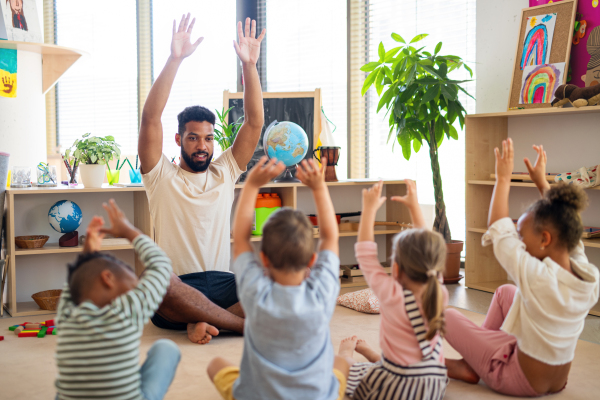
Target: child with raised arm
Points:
(412, 303)
(527, 341)
(101, 314)
(288, 295)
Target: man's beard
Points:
(196, 166)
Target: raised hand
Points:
(505, 162)
(264, 171)
(181, 45)
(410, 198)
(310, 174)
(248, 46)
(93, 236)
(120, 225)
(538, 171)
(372, 199)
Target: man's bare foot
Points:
(363, 348)
(347, 346)
(201, 332)
(459, 369)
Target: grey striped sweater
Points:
(97, 349)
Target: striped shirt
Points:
(98, 348)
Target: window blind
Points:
(303, 57)
(203, 76)
(99, 94)
(451, 22)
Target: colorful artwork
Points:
(3, 34)
(8, 73)
(540, 82)
(21, 20)
(537, 44)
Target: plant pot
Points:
(453, 250)
(92, 175)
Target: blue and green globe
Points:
(65, 216)
(286, 141)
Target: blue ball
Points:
(65, 216)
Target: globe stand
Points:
(287, 177)
(70, 239)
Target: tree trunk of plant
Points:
(441, 222)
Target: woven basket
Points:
(31, 242)
(48, 299)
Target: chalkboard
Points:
(300, 110)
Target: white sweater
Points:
(550, 305)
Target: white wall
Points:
(498, 24)
(23, 119)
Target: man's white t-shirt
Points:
(191, 212)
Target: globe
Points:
(65, 216)
(285, 141)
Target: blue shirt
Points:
(287, 346)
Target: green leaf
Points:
(468, 69)
(443, 70)
(447, 93)
(388, 73)
(398, 38)
(408, 93)
(419, 37)
(387, 96)
(389, 55)
(109, 138)
(400, 68)
(430, 94)
(467, 93)
(368, 82)
(426, 61)
(404, 142)
(453, 132)
(431, 71)
(417, 144)
(370, 66)
(381, 52)
(379, 81)
(93, 158)
(86, 134)
(438, 47)
(411, 74)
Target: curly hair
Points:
(559, 209)
(194, 113)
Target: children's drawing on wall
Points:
(21, 20)
(3, 34)
(592, 75)
(8, 73)
(537, 45)
(540, 82)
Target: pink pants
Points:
(492, 353)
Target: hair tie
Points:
(432, 273)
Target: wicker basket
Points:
(31, 242)
(48, 299)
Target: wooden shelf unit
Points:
(394, 212)
(483, 133)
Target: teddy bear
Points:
(578, 97)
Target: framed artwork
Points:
(542, 53)
(21, 20)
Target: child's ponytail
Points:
(433, 305)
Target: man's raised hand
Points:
(248, 45)
(181, 45)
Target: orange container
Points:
(266, 204)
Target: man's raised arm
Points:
(150, 141)
(248, 51)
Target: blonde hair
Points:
(421, 255)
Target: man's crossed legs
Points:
(200, 303)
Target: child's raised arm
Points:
(504, 168)
(411, 201)
(312, 176)
(538, 172)
(260, 175)
(371, 201)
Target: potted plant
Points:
(422, 103)
(225, 136)
(93, 153)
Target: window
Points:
(203, 76)
(99, 93)
(453, 23)
(304, 57)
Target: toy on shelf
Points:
(65, 216)
(584, 177)
(288, 142)
(46, 175)
(578, 97)
(266, 204)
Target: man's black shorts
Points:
(219, 287)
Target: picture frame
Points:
(542, 54)
(21, 21)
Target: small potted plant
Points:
(225, 136)
(93, 153)
(423, 105)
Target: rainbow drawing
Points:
(540, 82)
(535, 47)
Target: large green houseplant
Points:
(422, 103)
(93, 153)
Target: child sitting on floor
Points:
(288, 295)
(527, 341)
(101, 315)
(412, 303)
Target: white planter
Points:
(92, 175)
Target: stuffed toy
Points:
(578, 97)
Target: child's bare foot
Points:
(459, 369)
(347, 346)
(201, 332)
(363, 348)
